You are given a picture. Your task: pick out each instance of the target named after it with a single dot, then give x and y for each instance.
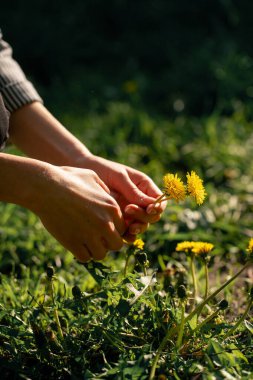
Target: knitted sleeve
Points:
(15, 88)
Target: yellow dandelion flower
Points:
(139, 243)
(197, 247)
(202, 248)
(250, 246)
(174, 187)
(195, 187)
(185, 246)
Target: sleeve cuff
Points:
(18, 94)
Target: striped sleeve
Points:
(15, 88)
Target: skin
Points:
(86, 202)
(73, 204)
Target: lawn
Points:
(138, 315)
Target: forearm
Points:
(39, 135)
(21, 180)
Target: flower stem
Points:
(240, 320)
(217, 291)
(168, 335)
(126, 265)
(160, 199)
(172, 331)
(181, 327)
(207, 280)
(194, 281)
(207, 319)
(206, 285)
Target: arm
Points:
(37, 133)
(62, 197)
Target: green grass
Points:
(113, 325)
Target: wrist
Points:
(23, 180)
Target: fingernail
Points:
(151, 210)
(129, 211)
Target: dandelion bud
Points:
(142, 258)
(171, 290)
(50, 272)
(181, 292)
(223, 304)
(76, 292)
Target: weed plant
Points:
(166, 309)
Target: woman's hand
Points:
(73, 204)
(134, 191)
(76, 208)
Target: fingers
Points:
(96, 249)
(154, 209)
(116, 223)
(113, 238)
(144, 183)
(82, 253)
(102, 184)
(131, 191)
(137, 228)
(139, 214)
(129, 237)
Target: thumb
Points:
(132, 193)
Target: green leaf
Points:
(249, 326)
(221, 355)
(193, 322)
(99, 271)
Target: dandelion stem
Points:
(207, 280)
(126, 265)
(206, 320)
(181, 327)
(172, 331)
(240, 320)
(206, 285)
(169, 333)
(160, 199)
(217, 291)
(194, 281)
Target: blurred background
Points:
(171, 57)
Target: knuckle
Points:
(113, 207)
(92, 174)
(121, 173)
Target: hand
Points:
(134, 191)
(75, 207)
